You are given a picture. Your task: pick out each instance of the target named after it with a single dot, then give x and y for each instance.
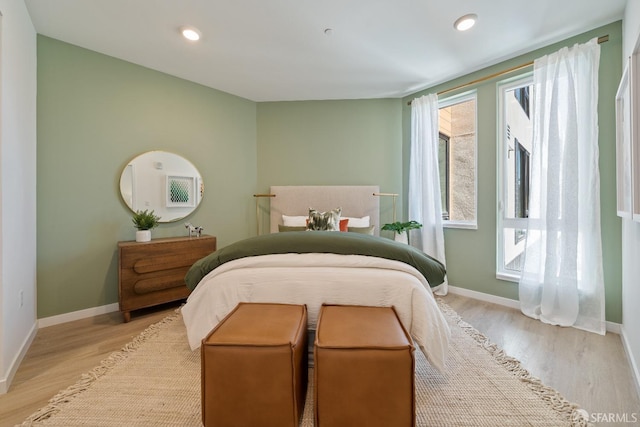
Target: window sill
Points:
(462, 225)
(508, 277)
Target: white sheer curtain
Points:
(425, 203)
(562, 281)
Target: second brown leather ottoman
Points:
(364, 368)
(254, 367)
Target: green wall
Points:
(471, 254)
(95, 113)
(348, 142)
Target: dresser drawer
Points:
(152, 273)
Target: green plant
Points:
(145, 220)
(400, 227)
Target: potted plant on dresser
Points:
(401, 229)
(144, 221)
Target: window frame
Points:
(447, 102)
(447, 194)
(522, 170)
(502, 222)
(521, 186)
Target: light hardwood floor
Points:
(586, 368)
(60, 354)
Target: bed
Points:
(316, 267)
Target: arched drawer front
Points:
(152, 273)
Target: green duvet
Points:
(319, 242)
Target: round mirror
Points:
(166, 183)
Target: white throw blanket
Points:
(314, 279)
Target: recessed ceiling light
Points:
(465, 22)
(191, 33)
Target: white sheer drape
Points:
(425, 203)
(562, 281)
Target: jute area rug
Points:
(155, 381)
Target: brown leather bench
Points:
(254, 367)
(364, 368)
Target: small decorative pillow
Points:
(329, 221)
(344, 224)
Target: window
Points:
(522, 95)
(457, 160)
(443, 166)
(514, 152)
(521, 197)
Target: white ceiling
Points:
(272, 50)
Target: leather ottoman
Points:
(254, 367)
(364, 368)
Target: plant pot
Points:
(401, 237)
(143, 235)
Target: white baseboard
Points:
(506, 302)
(615, 328)
(5, 382)
(77, 315)
(635, 369)
(511, 303)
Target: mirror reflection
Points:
(164, 182)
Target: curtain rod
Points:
(601, 40)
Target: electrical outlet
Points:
(21, 298)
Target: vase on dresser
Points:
(144, 221)
(143, 236)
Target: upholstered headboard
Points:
(355, 201)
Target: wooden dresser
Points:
(152, 273)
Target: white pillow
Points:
(301, 221)
(294, 221)
(358, 222)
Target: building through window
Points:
(457, 160)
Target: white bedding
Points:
(314, 279)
